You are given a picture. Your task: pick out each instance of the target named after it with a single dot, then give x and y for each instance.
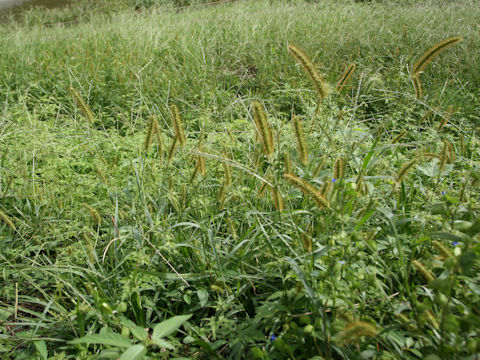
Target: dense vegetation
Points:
(257, 179)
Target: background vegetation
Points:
(116, 241)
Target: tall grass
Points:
(366, 245)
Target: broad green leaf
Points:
(139, 332)
(256, 353)
(475, 228)
(106, 338)
(169, 326)
(134, 352)
(41, 348)
(162, 343)
(467, 261)
(202, 297)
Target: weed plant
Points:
(256, 180)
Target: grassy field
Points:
(177, 183)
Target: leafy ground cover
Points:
(223, 182)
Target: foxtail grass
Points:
(423, 270)
(6, 219)
(82, 105)
(405, 169)
(339, 168)
(353, 331)
(308, 189)
(417, 85)
(302, 147)
(178, 125)
(287, 163)
(427, 58)
(277, 199)
(94, 214)
(317, 81)
(264, 131)
(307, 241)
(173, 147)
(399, 136)
(149, 135)
(345, 78)
(442, 249)
(433, 52)
(227, 172)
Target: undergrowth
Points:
(251, 180)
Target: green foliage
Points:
(364, 246)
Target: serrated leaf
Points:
(106, 338)
(134, 352)
(169, 326)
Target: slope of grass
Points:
(106, 232)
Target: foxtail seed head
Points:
(263, 129)
(287, 162)
(405, 169)
(307, 189)
(178, 125)
(442, 249)
(149, 134)
(423, 270)
(277, 199)
(82, 105)
(355, 330)
(339, 168)
(316, 79)
(172, 149)
(302, 147)
(417, 84)
(6, 219)
(96, 217)
(345, 78)
(434, 51)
